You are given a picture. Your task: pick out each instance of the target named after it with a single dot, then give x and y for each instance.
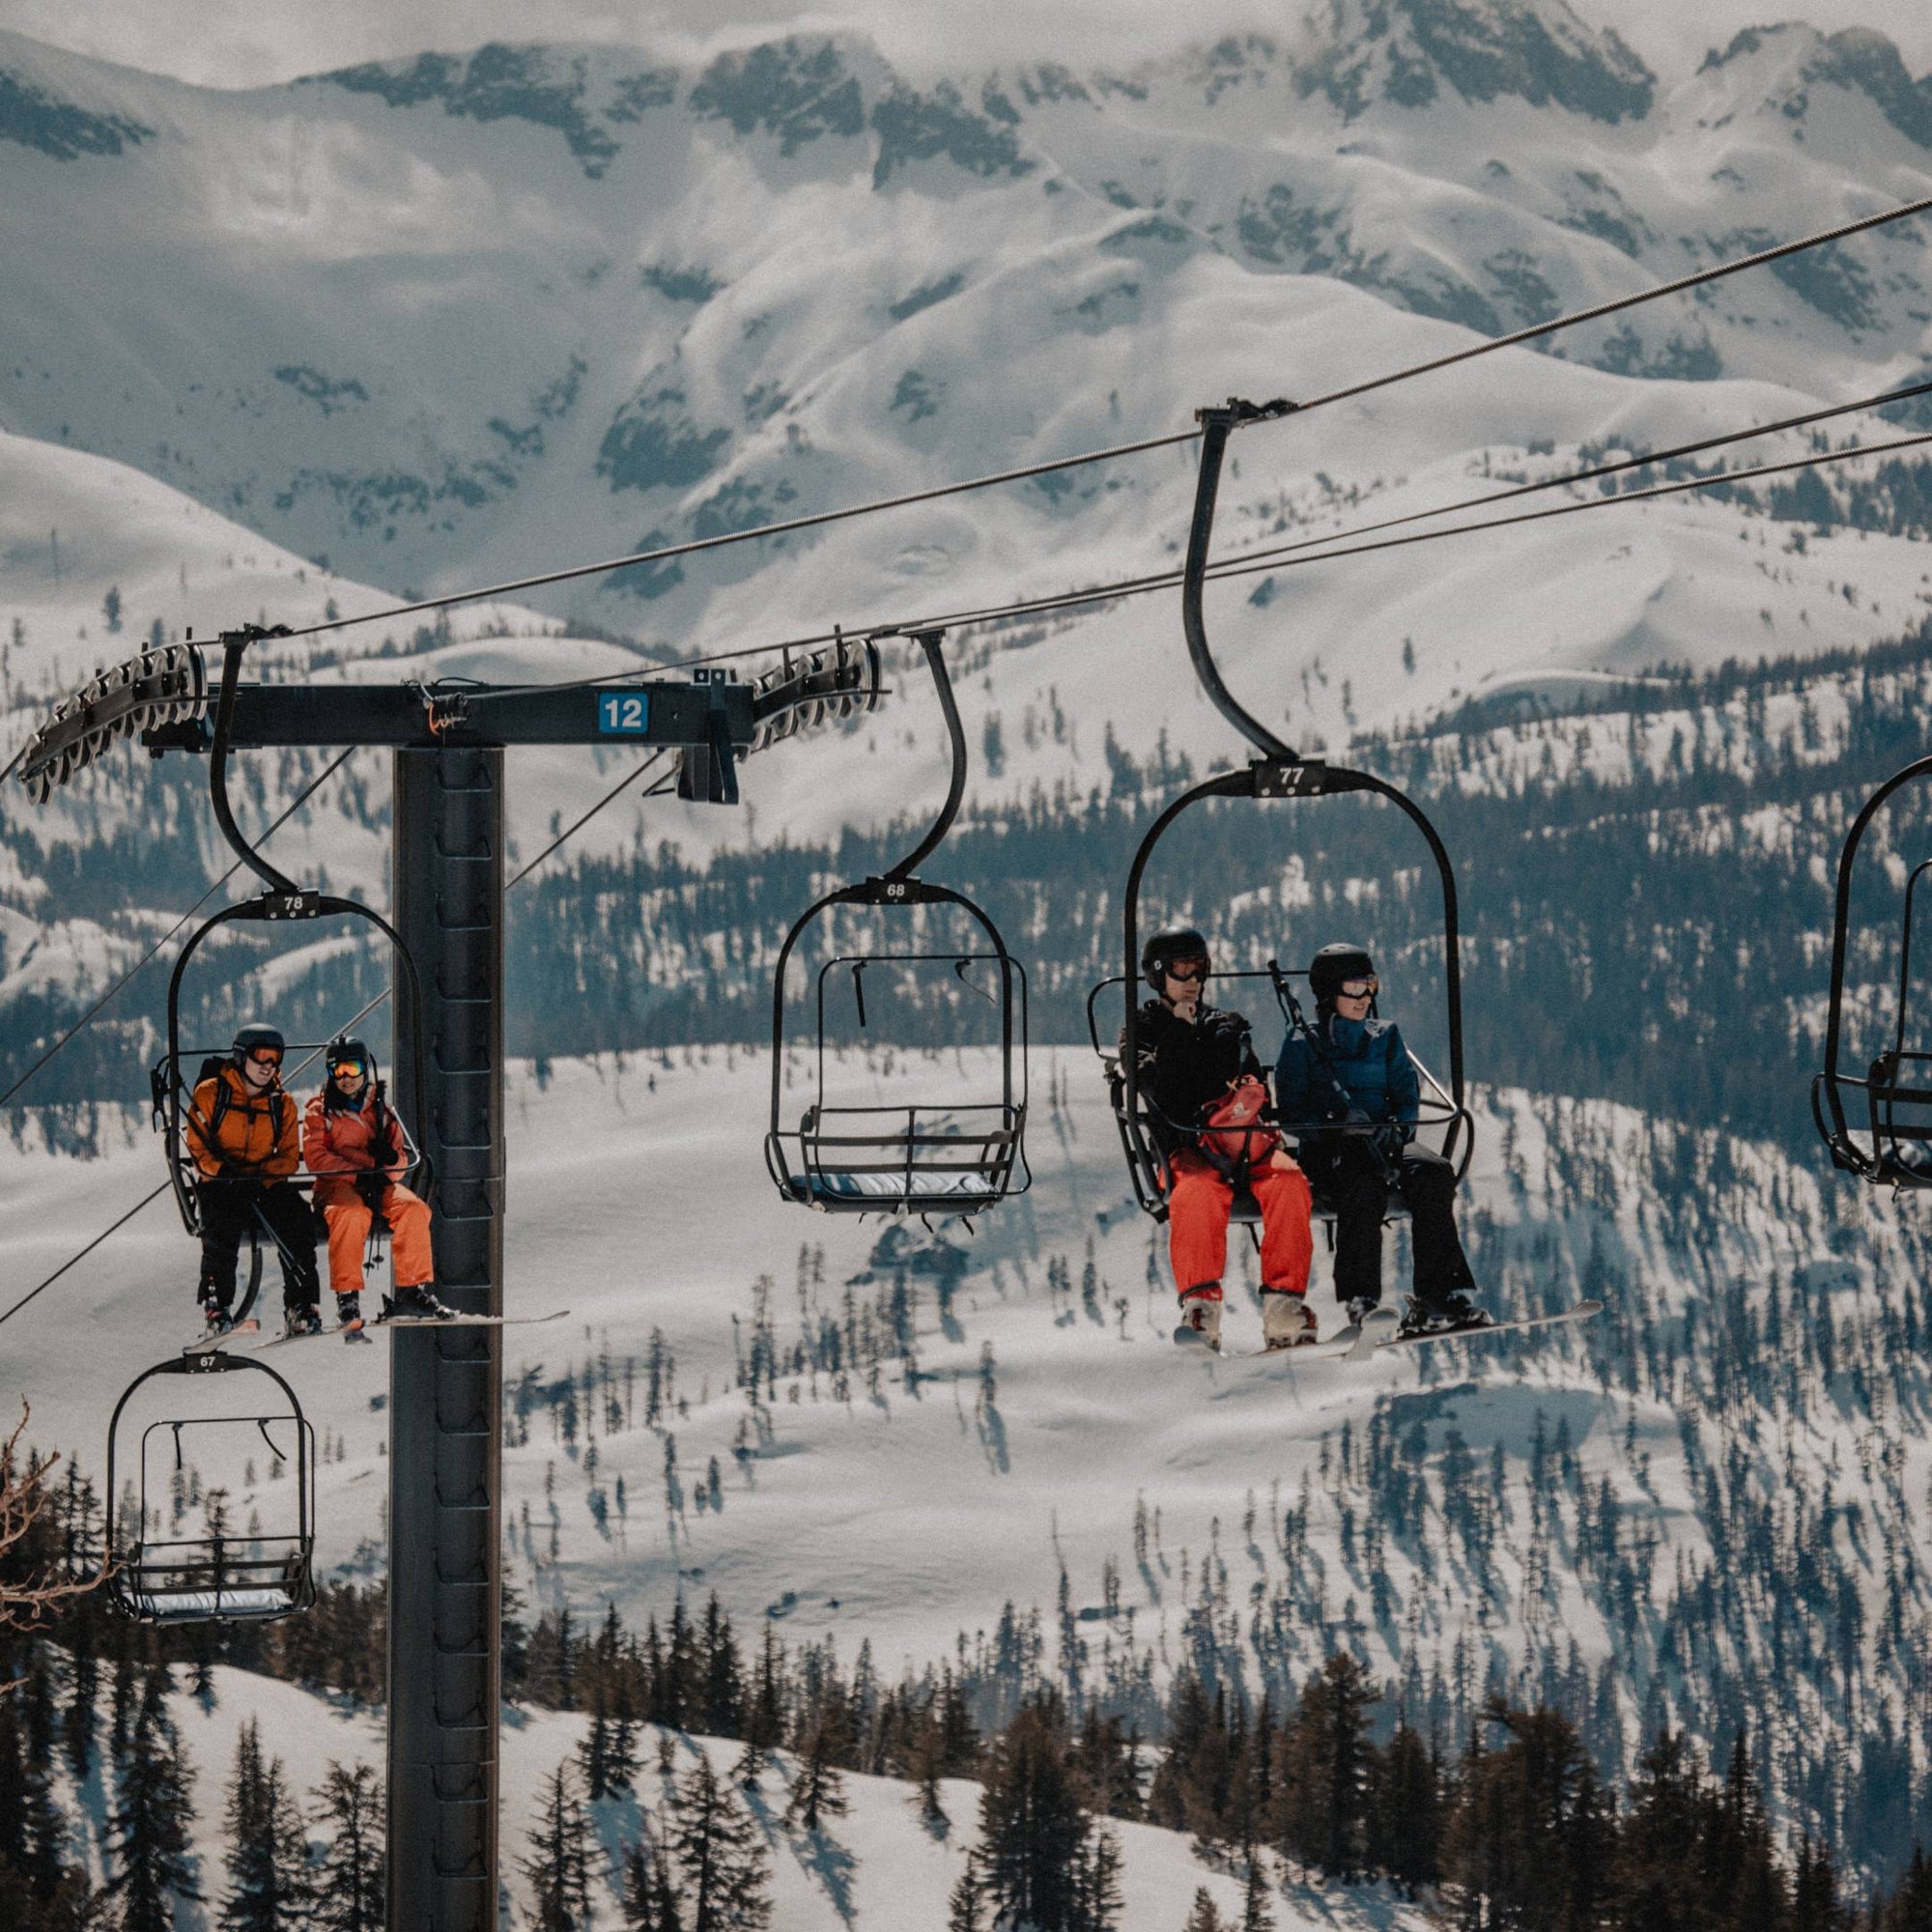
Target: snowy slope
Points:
(1007, 1446)
(878, 1865)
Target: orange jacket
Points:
(353, 1140)
(230, 1128)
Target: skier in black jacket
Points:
(1193, 1062)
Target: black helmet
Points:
(1165, 949)
(255, 1035)
(343, 1047)
(1335, 964)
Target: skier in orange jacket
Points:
(353, 1146)
(243, 1137)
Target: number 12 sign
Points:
(624, 714)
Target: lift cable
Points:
(1239, 565)
(301, 798)
(1620, 466)
(1268, 412)
(629, 779)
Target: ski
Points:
(240, 1331)
(1361, 1346)
(363, 1331)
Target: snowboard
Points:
(363, 1331)
(1378, 1332)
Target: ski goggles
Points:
(1359, 989)
(347, 1069)
(265, 1056)
(1185, 969)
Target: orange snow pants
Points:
(1198, 1206)
(348, 1217)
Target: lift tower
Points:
(446, 1385)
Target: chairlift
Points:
(1891, 1144)
(939, 1154)
(1278, 772)
(173, 1078)
(210, 1578)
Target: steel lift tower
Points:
(446, 1385)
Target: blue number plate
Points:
(624, 714)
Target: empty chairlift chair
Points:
(956, 1147)
(1878, 1127)
(222, 1575)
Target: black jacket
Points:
(1183, 1069)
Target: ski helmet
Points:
(345, 1048)
(1333, 965)
(256, 1036)
(1168, 949)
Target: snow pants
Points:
(1347, 1173)
(1199, 1203)
(349, 1218)
(229, 1209)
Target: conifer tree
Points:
(1255, 1914)
(37, 1888)
(558, 1867)
(267, 1854)
(1205, 1917)
(764, 1713)
(349, 1881)
(1325, 1773)
(817, 1791)
(1909, 1909)
(1034, 1835)
(1404, 1811)
(152, 1818)
(966, 1905)
(722, 1868)
(650, 1892)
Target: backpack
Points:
(1233, 1134)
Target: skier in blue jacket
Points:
(1348, 1090)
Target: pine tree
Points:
(559, 1867)
(152, 1818)
(650, 1892)
(818, 1791)
(722, 1868)
(966, 1906)
(267, 1855)
(1909, 1909)
(1325, 1776)
(1032, 1833)
(350, 1883)
(1404, 1811)
(1205, 1917)
(1255, 1914)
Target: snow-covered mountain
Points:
(442, 321)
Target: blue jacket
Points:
(1354, 1067)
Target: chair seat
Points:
(164, 1605)
(896, 1185)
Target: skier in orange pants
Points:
(1204, 1095)
(353, 1146)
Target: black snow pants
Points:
(228, 1210)
(1347, 1174)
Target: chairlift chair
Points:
(233, 1579)
(174, 1076)
(940, 1155)
(1892, 1144)
(1278, 772)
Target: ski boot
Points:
(1442, 1315)
(349, 1316)
(417, 1304)
(1287, 1319)
(1369, 1324)
(302, 1317)
(219, 1321)
(1201, 1317)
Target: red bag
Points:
(1233, 1133)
